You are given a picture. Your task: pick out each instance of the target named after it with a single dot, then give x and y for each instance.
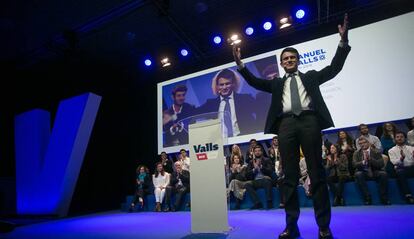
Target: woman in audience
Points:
(346, 146)
(387, 137)
(161, 180)
(143, 183)
(238, 176)
(337, 169)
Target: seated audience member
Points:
(235, 150)
(238, 177)
(304, 179)
(161, 180)
(250, 151)
(143, 184)
(277, 174)
(410, 134)
(166, 162)
(259, 171)
(402, 157)
(179, 185)
(338, 172)
(387, 138)
(346, 146)
(184, 159)
(368, 164)
(373, 140)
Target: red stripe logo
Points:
(202, 156)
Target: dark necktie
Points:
(227, 117)
(294, 95)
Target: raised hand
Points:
(343, 30)
(237, 55)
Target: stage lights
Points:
(234, 40)
(267, 26)
(165, 62)
(285, 22)
(147, 62)
(249, 31)
(217, 40)
(184, 52)
(300, 13)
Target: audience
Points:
(179, 185)
(250, 151)
(387, 138)
(337, 172)
(161, 180)
(143, 184)
(277, 174)
(184, 159)
(401, 156)
(369, 164)
(304, 179)
(259, 171)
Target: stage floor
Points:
(347, 222)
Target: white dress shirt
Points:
(374, 140)
(236, 130)
(395, 155)
(304, 96)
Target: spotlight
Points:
(285, 22)
(217, 39)
(165, 62)
(300, 14)
(233, 40)
(267, 26)
(184, 52)
(249, 31)
(147, 62)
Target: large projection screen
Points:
(374, 86)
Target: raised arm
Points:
(257, 83)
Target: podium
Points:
(208, 181)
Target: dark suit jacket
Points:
(266, 168)
(376, 163)
(337, 169)
(187, 111)
(184, 176)
(311, 81)
(245, 111)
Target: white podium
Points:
(208, 183)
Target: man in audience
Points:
(402, 157)
(372, 140)
(179, 185)
(184, 160)
(166, 162)
(250, 151)
(368, 164)
(259, 170)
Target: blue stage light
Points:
(184, 52)
(267, 26)
(300, 13)
(249, 31)
(147, 62)
(217, 39)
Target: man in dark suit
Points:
(368, 164)
(236, 110)
(175, 129)
(179, 185)
(297, 114)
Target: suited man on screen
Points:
(237, 111)
(297, 115)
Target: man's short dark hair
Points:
(289, 49)
(163, 152)
(181, 150)
(258, 146)
(226, 74)
(179, 88)
(275, 137)
(400, 132)
(362, 125)
(252, 140)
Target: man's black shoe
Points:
(289, 234)
(325, 233)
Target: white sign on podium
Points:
(208, 183)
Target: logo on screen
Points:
(312, 56)
(203, 150)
